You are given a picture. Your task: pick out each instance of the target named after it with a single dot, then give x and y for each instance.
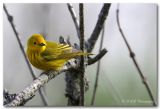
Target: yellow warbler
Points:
(46, 55)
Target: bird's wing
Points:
(56, 51)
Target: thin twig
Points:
(82, 69)
(97, 57)
(75, 20)
(132, 55)
(10, 19)
(98, 68)
(95, 34)
(73, 14)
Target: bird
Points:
(49, 55)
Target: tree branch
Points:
(98, 68)
(30, 90)
(81, 68)
(102, 17)
(10, 19)
(8, 97)
(75, 20)
(132, 55)
(73, 88)
(97, 57)
(72, 81)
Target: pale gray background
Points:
(119, 80)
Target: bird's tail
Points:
(83, 53)
(76, 54)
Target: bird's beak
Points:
(42, 44)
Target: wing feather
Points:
(56, 51)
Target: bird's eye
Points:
(34, 43)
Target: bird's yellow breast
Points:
(37, 61)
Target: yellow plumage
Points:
(46, 55)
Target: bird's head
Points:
(36, 43)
